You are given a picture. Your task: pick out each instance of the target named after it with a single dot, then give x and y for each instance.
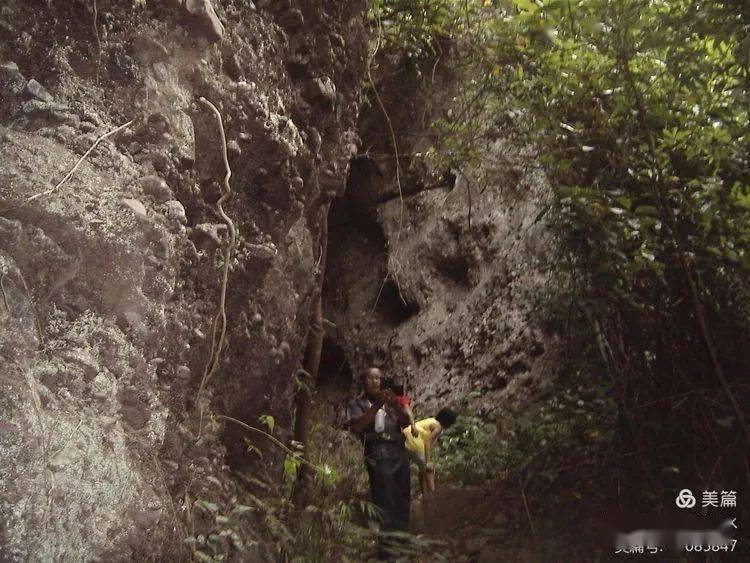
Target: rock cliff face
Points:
(110, 259)
(440, 279)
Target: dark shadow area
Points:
(456, 269)
(357, 253)
(334, 385)
(334, 371)
(393, 307)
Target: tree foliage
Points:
(638, 111)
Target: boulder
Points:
(157, 188)
(321, 89)
(205, 19)
(35, 90)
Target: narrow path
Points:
(474, 522)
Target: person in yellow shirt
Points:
(419, 447)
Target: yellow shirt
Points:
(423, 426)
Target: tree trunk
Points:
(303, 396)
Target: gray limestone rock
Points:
(11, 79)
(210, 233)
(108, 298)
(176, 211)
(321, 89)
(183, 132)
(206, 19)
(157, 188)
(35, 90)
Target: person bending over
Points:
(420, 448)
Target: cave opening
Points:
(334, 383)
(392, 306)
(334, 371)
(456, 268)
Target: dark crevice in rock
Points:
(393, 307)
(334, 372)
(518, 366)
(447, 182)
(455, 268)
(356, 250)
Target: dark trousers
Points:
(390, 485)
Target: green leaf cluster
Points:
(475, 450)
(641, 109)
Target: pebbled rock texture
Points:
(110, 280)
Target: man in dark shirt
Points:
(386, 459)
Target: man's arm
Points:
(412, 423)
(359, 421)
(403, 417)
